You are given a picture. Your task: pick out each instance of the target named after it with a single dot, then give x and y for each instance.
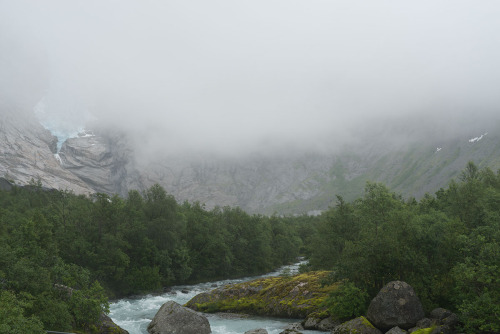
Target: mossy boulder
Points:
(288, 297)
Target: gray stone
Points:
(173, 318)
(359, 325)
(311, 323)
(296, 327)
(451, 320)
(290, 331)
(396, 330)
(424, 323)
(440, 313)
(327, 324)
(257, 331)
(395, 305)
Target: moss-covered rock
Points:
(359, 325)
(290, 297)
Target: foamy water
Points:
(135, 314)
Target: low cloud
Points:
(244, 76)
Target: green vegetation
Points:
(62, 255)
(347, 302)
(287, 296)
(446, 246)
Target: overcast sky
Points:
(235, 75)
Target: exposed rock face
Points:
(90, 159)
(173, 318)
(27, 152)
(356, 326)
(396, 304)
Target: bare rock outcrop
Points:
(27, 153)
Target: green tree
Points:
(12, 315)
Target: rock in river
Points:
(173, 318)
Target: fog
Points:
(247, 76)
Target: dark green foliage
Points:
(87, 305)
(54, 244)
(13, 318)
(447, 247)
(347, 302)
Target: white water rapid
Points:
(135, 314)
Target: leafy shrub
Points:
(348, 301)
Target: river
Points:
(135, 314)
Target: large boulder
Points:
(173, 318)
(396, 304)
(356, 326)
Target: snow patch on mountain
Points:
(476, 139)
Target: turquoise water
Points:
(135, 314)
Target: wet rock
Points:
(296, 327)
(257, 331)
(290, 331)
(311, 323)
(174, 318)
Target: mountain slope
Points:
(282, 183)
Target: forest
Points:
(446, 246)
(63, 255)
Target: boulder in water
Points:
(396, 304)
(257, 331)
(173, 318)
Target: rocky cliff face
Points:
(27, 152)
(104, 161)
(96, 160)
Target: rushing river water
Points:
(135, 314)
